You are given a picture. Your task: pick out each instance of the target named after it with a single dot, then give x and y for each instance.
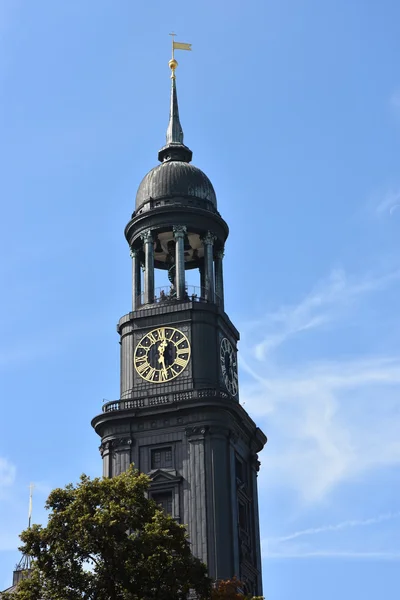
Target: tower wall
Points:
(207, 436)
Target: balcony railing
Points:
(137, 403)
(167, 294)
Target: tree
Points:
(106, 541)
(230, 589)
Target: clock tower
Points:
(178, 417)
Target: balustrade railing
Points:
(167, 294)
(137, 403)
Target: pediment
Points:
(164, 476)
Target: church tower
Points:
(178, 417)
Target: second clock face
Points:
(162, 354)
(229, 368)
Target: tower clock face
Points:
(162, 354)
(229, 369)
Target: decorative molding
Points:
(182, 396)
(213, 393)
(193, 219)
(104, 448)
(164, 476)
(179, 231)
(134, 252)
(196, 433)
(220, 253)
(121, 443)
(254, 462)
(209, 238)
(147, 236)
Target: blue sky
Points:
(292, 108)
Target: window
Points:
(161, 458)
(164, 501)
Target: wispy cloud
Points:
(319, 418)
(319, 307)
(338, 527)
(283, 546)
(321, 412)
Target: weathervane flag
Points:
(181, 46)
(177, 46)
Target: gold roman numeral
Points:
(150, 375)
(180, 361)
(151, 338)
(142, 368)
(141, 359)
(163, 375)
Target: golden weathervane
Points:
(176, 46)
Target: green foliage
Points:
(106, 541)
(230, 589)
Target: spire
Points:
(175, 149)
(174, 131)
(22, 570)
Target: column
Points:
(105, 451)
(121, 455)
(179, 235)
(148, 241)
(208, 242)
(219, 278)
(221, 509)
(202, 279)
(136, 279)
(196, 494)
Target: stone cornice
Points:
(191, 402)
(165, 217)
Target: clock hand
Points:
(161, 349)
(161, 359)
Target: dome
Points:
(174, 179)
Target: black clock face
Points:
(229, 366)
(162, 354)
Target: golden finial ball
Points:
(173, 64)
